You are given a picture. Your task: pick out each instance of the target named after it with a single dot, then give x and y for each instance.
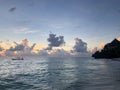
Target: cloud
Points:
(4, 45)
(80, 46)
(1, 49)
(28, 50)
(32, 47)
(9, 53)
(24, 31)
(22, 48)
(12, 9)
(54, 53)
(59, 53)
(94, 49)
(43, 53)
(79, 49)
(19, 47)
(38, 47)
(118, 38)
(99, 48)
(55, 41)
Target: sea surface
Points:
(59, 74)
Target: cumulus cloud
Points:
(43, 53)
(24, 49)
(80, 49)
(55, 41)
(54, 53)
(3, 47)
(21, 48)
(12, 9)
(80, 46)
(25, 42)
(59, 53)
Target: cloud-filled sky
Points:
(92, 21)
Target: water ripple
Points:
(59, 74)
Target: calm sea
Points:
(59, 74)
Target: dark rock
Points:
(110, 50)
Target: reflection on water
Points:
(59, 74)
(62, 72)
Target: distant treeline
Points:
(110, 50)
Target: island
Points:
(111, 50)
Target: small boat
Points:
(18, 58)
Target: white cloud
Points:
(24, 31)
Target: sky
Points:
(93, 22)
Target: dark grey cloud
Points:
(12, 9)
(55, 41)
(32, 47)
(80, 46)
(19, 47)
(15, 43)
(22, 46)
(1, 48)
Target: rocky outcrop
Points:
(110, 50)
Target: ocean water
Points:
(59, 74)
